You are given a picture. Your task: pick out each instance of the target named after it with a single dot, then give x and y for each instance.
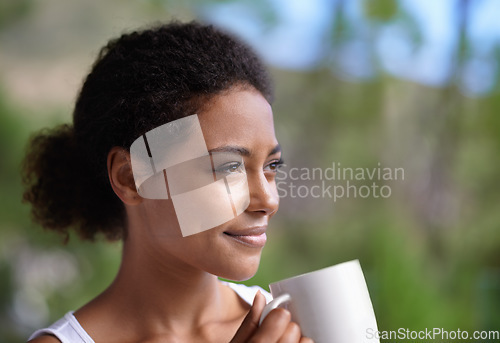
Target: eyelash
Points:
(277, 165)
(226, 166)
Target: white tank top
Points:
(69, 330)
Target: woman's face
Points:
(239, 121)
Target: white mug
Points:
(331, 305)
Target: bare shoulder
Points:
(45, 339)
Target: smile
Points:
(254, 237)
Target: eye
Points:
(273, 166)
(229, 168)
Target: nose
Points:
(263, 194)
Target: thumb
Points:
(251, 322)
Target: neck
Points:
(151, 298)
(158, 292)
(167, 292)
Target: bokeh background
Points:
(406, 84)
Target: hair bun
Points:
(58, 184)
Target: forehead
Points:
(242, 117)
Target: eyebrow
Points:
(243, 151)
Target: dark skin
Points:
(158, 262)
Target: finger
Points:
(306, 340)
(292, 334)
(251, 322)
(273, 327)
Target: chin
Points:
(242, 271)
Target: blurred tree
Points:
(430, 251)
(380, 10)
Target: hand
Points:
(277, 327)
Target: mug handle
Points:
(283, 298)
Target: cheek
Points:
(210, 206)
(160, 218)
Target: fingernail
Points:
(255, 298)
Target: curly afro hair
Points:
(139, 81)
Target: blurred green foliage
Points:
(11, 11)
(431, 251)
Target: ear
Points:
(121, 176)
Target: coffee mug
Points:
(331, 305)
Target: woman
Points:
(87, 177)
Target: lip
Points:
(253, 237)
